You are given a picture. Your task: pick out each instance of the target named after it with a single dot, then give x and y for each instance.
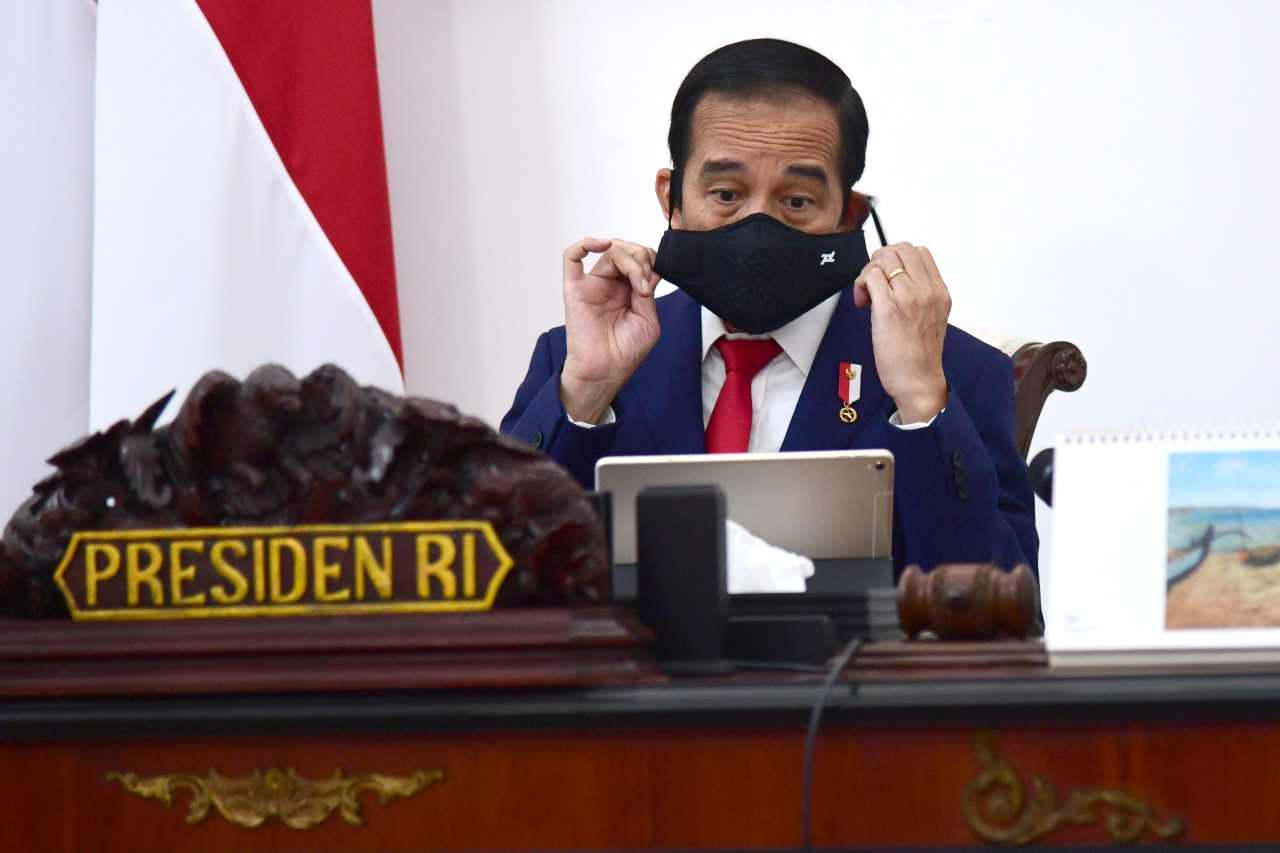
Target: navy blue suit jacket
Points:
(960, 486)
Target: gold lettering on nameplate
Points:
(401, 567)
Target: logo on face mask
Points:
(757, 274)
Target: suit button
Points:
(537, 439)
(957, 458)
(960, 476)
(962, 490)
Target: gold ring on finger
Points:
(898, 271)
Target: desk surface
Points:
(759, 698)
(906, 758)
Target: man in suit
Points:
(768, 127)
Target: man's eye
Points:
(798, 203)
(724, 195)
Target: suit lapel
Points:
(667, 387)
(816, 423)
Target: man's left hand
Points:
(908, 326)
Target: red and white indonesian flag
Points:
(240, 209)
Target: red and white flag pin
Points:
(850, 390)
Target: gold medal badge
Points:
(850, 390)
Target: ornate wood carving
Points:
(280, 794)
(999, 809)
(275, 451)
(1069, 368)
(1039, 370)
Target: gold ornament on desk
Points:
(998, 808)
(282, 794)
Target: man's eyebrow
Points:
(818, 173)
(711, 168)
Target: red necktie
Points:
(729, 429)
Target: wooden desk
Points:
(693, 764)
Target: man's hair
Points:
(769, 67)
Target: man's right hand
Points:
(610, 322)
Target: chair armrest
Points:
(1038, 371)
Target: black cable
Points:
(811, 739)
(875, 217)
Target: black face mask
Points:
(758, 274)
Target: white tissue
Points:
(757, 566)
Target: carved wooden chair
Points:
(1039, 369)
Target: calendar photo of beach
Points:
(1223, 566)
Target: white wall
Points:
(1103, 172)
(46, 232)
(1098, 171)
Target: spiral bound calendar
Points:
(1166, 547)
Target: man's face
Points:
(774, 154)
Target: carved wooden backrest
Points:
(1039, 369)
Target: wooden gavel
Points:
(969, 601)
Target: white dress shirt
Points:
(775, 390)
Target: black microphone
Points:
(1040, 473)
